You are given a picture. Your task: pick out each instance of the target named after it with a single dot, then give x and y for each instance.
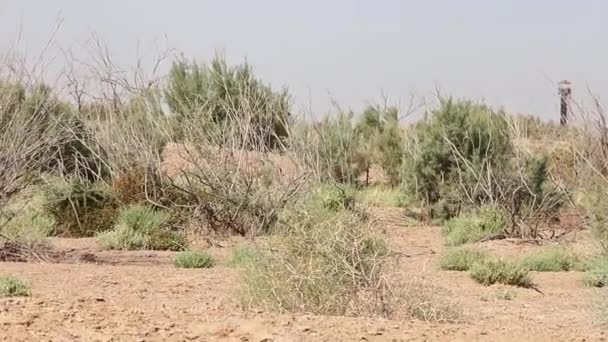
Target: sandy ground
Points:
(140, 296)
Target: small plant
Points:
(11, 286)
(597, 273)
(335, 197)
(551, 259)
(460, 258)
(193, 259)
(379, 196)
(505, 294)
(497, 271)
(429, 303)
(243, 254)
(473, 227)
(141, 227)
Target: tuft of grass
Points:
(597, 273)
(497, 271)
(505, 294)
(551, 259)
(474, 227)
(460, 258)
(427, 302)
(382, 196)
(243, 255)
(193, 259)
(142, 227)
(11, 286)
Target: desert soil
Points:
(140, 296)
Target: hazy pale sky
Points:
(511, 53)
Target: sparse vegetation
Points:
(497, 271)
(597, 273)
(11, 286)
(381, 196)
(142, 227)
(243, 255)
(487, 222)
(460, 258)
(193, 259)
(551, 259)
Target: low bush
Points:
(460, 258)
(496, 271)
(473, 227)
(193, 259)
(334, 197)
(80, 209)
(24, 222)
(322, 262)
(551, 259)
(597, 273)
(427, 302)
(11, 286)
(142, 227)
(243, 255)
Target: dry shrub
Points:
(423, 300)
(80, 208)
(322, 261)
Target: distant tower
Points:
(565, 90)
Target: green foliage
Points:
(597, 273)
(380, 196)
(333, 197)
(216, 94)
(243, 255)
(551, 259)
(488, 221)
(11, 286)
(460, 258)
(80, 208)
(193, 259)
(496, 271)
(142, 227)
(24, 221)
(457, 132)
(381, 141)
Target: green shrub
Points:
(473, 227)
(193, 259)
(79, 208)
(496, 271)
(597, 273)
(551, 259)
(243, 255)
(334, 197)
(460, 258)
(142, 227)
(457, 132)
(11, 286)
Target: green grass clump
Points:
(497, 271)
(333, 197)
(193, 259)
(382, 196)
(460, 258)
(551, 259)
(474, 227)
(142, 227)
(243, 255)
(597, 273)
(11, 286)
